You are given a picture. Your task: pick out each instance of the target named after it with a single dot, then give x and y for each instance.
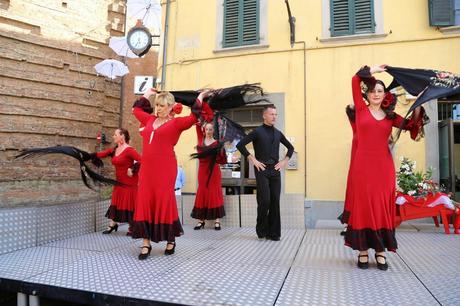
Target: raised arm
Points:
(186, 122)
(142, 108)
(138, 112)
(199, 134)
(364, 74)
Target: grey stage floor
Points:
(233, 267)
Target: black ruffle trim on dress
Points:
(157, 232)
(364, 239)
(123, 216)
(208, 213)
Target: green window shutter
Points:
(340, 18)
(442, 12)
(241, 23)
(231, 23)
(250, 27)
(364, 16)
(349, 17)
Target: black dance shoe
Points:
(144, 256)
(363, 265)
(273, 238)
(111, 229)
(199, 225)
(217, 226)
(381, 266)
(170, 251)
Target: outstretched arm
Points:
(414, 124)
(105, 153)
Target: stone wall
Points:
(50, 93)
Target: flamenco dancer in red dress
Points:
(209, 201)
(156, 218)
(124, 195)
(371, 198)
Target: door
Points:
(446, 155)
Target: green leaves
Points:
(416, 184)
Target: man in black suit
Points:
(266, 140)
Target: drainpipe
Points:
(293, 42)
(165, 45)
(123, 82)
(305, 108)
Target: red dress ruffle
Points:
(346, 207)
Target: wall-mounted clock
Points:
(139, 39)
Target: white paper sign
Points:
(142, 83)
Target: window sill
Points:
(450, 30)
(353, 37)
(241, 48)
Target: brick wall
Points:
(50, 93)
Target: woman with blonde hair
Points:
(156, 218)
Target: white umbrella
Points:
(120, 46)
(149, 11)
(111, 68)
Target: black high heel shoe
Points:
(381, 266)
(144, 256)
(217, 226)
(111, 229)
(170, 251)
(199, 225)
(363, 265)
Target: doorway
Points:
(449, 146)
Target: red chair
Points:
(418, 209)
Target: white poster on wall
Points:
(142, 83)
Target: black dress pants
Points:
(268, 202)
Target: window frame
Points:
(262, 28)
(326, 24)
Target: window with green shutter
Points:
(442, 12)
(241, 23)
(350, 17)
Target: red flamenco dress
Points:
(156, 217)
(346, 207)
(123, 196)
(371, 197)
(209, 201)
